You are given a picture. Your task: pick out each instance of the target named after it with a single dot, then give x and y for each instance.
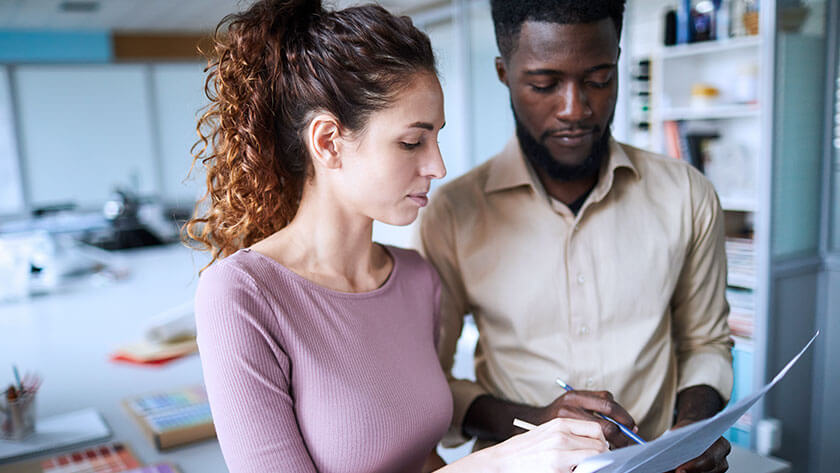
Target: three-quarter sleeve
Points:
(699, 307)
(247, 375)
(437, 244)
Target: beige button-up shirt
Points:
(628, 296)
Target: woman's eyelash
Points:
(410, 145)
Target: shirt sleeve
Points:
(247, 376)
(699, 307)
(437, 244)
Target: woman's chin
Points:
(400, 219)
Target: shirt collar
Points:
(510, 170)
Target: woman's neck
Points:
(330, 246)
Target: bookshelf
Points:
(719, 133)
(750, 105)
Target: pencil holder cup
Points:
(17, 417)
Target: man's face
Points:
(563, 83)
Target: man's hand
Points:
(698, 403)
(582, 405)
(712, 460)
(490, 418)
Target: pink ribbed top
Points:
(302, 378)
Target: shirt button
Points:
(580, 278)
(590, 382)
(583, 330)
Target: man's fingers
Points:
(602, 402)
(712, 460)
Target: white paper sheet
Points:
(676, 447)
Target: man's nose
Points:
(572, 104)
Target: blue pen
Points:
(17, 378)
(621, 426)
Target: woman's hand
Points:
(556, 446)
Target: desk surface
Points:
(67, 337)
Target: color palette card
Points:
(108, 458)
(175, 417)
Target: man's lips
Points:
(420, 198)
(573, 138)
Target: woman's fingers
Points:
(573, 434)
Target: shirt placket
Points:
(583, 322)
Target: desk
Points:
(67, 337)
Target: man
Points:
(580, 257)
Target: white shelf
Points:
(709, 47)
(713, 112)
(738, 204)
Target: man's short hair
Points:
(509, 15)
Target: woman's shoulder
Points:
(412, 262)
(228, 273)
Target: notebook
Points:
(60, 431)
(173, 418)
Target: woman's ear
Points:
(323, 136)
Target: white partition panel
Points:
(11, 192)
(179, 97)
(85, 129)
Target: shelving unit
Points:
(766, 164)
(730, 153)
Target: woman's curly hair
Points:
(273, 66)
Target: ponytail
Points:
(275, 63)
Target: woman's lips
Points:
(420, 199)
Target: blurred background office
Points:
(98, 107)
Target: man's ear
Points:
(323, 138)
(501, 70)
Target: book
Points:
(155, 353)
(173, 418)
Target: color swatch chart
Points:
(110, 458)
(174, 410)
(182, 417)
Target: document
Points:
(676, 447)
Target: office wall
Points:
(178, 94)
(825, 456)
(792, 323)
(492, 120)
(85, 130)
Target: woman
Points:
(317, 344)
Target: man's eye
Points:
(542, 88)
(410, 145)
(598, 85)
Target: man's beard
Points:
(540, 157)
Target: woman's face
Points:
(388, 167)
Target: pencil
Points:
(523, 424)
(621, 426)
